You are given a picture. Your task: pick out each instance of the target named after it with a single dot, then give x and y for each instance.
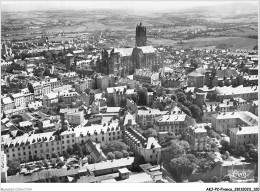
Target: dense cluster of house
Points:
(109, 95)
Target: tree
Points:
(131, 154)
(241, 150)
(213, 145)
(195, 111)
(184, 144)
(141, 97)
(225, 145)
(118, 155)
(48, 156)
(250, 146)
(205, 164)
(84, 150)
(54, 155)
(188, 104)
(60, 163)
(45, 163)
(125, 153)
(174, 98)
(181, 97)
(54, 179)
(42, 157)
(28, 167)
(150, 133)
(13, 167)
(114, 146)
(185, 109)
(111, 156)
(138, 160)
(215, 179)
(39, 164)
(182, 166)
(69, 151)
(192, 158)
(53, 162)
(66, 155)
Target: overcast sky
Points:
(122, 4)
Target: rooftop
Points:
(123, 162)
(112, 89)
(147, 49)
(245, 130)
(236, 90)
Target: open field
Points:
(223, 42)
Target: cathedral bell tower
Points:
(140, 37)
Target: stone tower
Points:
(140, 38)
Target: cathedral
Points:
(124, 61)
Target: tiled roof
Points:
(124, 51)
(7, 100)
(91, 148)
(147, 49)
(195, 74)
(226, 73)
(120, 88)
(235, 90)
(245, 130)
(123, 162)
(112, 126)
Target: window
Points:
(63, 147)
(62, 142)
(46, 144)
(109, 139)
(35, 151)
(154, 151)
(114, 133)
(29, 152)
(23, 148)
(29, 147)
(151, 156)
(7, 156)
(12, 149)
(57, 142)
(13, 155)
(72, 140)
(68, 141)
(52, 149)
(40, 145)
(19, 154)
(18, 148)
(68, 136)
(103, 139)
(109, 134)
(24, 153)
(58, 148)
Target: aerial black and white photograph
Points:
(129, 92)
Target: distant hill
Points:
(224, 10)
